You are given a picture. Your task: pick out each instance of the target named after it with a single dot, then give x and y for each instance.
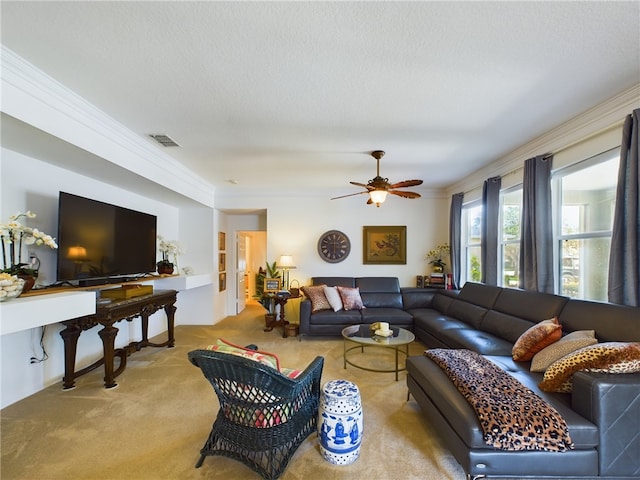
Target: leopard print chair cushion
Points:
(609, 357)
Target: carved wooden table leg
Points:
(108, 336)
(70, 337)
(170, 310)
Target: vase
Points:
(29, 281)
(438, 269)
(165, 268)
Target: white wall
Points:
(295, 223)
(33, 184)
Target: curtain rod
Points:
(562, 149)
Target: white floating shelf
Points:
(23, 313)
(184, 282)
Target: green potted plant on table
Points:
(266, 298)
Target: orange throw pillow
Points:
(535, 339)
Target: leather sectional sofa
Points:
(602, 413)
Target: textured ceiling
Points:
(298, 93)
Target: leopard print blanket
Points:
(512, 416)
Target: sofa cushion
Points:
(416, 298)
(529, 305)
(442, 302)
(609, 357)
(434, 321)
(467, 312)
(567, 344)
(480, 294)
(476, 340)
(505, 326)
(612, 323)
(334, 281)
(333, 297)
(380, 292)
(535, 339)
(351, 299)
(378, 284)
(394, 316)
(223, 346)
(315, 293)
(329, 317)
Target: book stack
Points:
(437, 280)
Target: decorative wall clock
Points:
(334, 246)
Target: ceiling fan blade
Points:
(368, 187)
(350, 195)
(400, 193)
(407, 183)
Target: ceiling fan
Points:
(379, 187)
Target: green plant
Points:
(476, 273)
(270, 272)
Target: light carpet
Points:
(154, 423)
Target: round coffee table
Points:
(362, 336)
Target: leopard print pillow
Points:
(609, 357)
(319, 301)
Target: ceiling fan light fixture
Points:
(378, 196)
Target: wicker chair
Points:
(264, 416)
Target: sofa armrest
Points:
(305, 316)
(612, 402)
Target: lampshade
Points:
(286, 262)
(77, 253)
(378, 196)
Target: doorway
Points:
(251, 254)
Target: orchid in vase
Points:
(435, 256)
(169, 249)
(14, 236)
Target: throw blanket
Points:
(512, 416)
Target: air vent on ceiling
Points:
(164, 140)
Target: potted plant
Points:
(167, 249)
(265, 299)
(435, 257)
(13, 236)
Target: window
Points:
(511, 217)
(471, 218)
(586, 198)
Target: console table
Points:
(107, 315)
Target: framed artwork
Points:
(271, 285)
(222, 281)
(222, 262)
(384, 245)
(222, 241)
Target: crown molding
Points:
(37, 99)
(597, 120)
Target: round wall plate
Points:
(334, 246)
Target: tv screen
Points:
(97, 240)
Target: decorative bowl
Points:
(10, 286)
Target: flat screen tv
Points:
(100, 243)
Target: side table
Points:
(107, 315)
(281, 321)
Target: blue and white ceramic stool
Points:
(340, 422)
